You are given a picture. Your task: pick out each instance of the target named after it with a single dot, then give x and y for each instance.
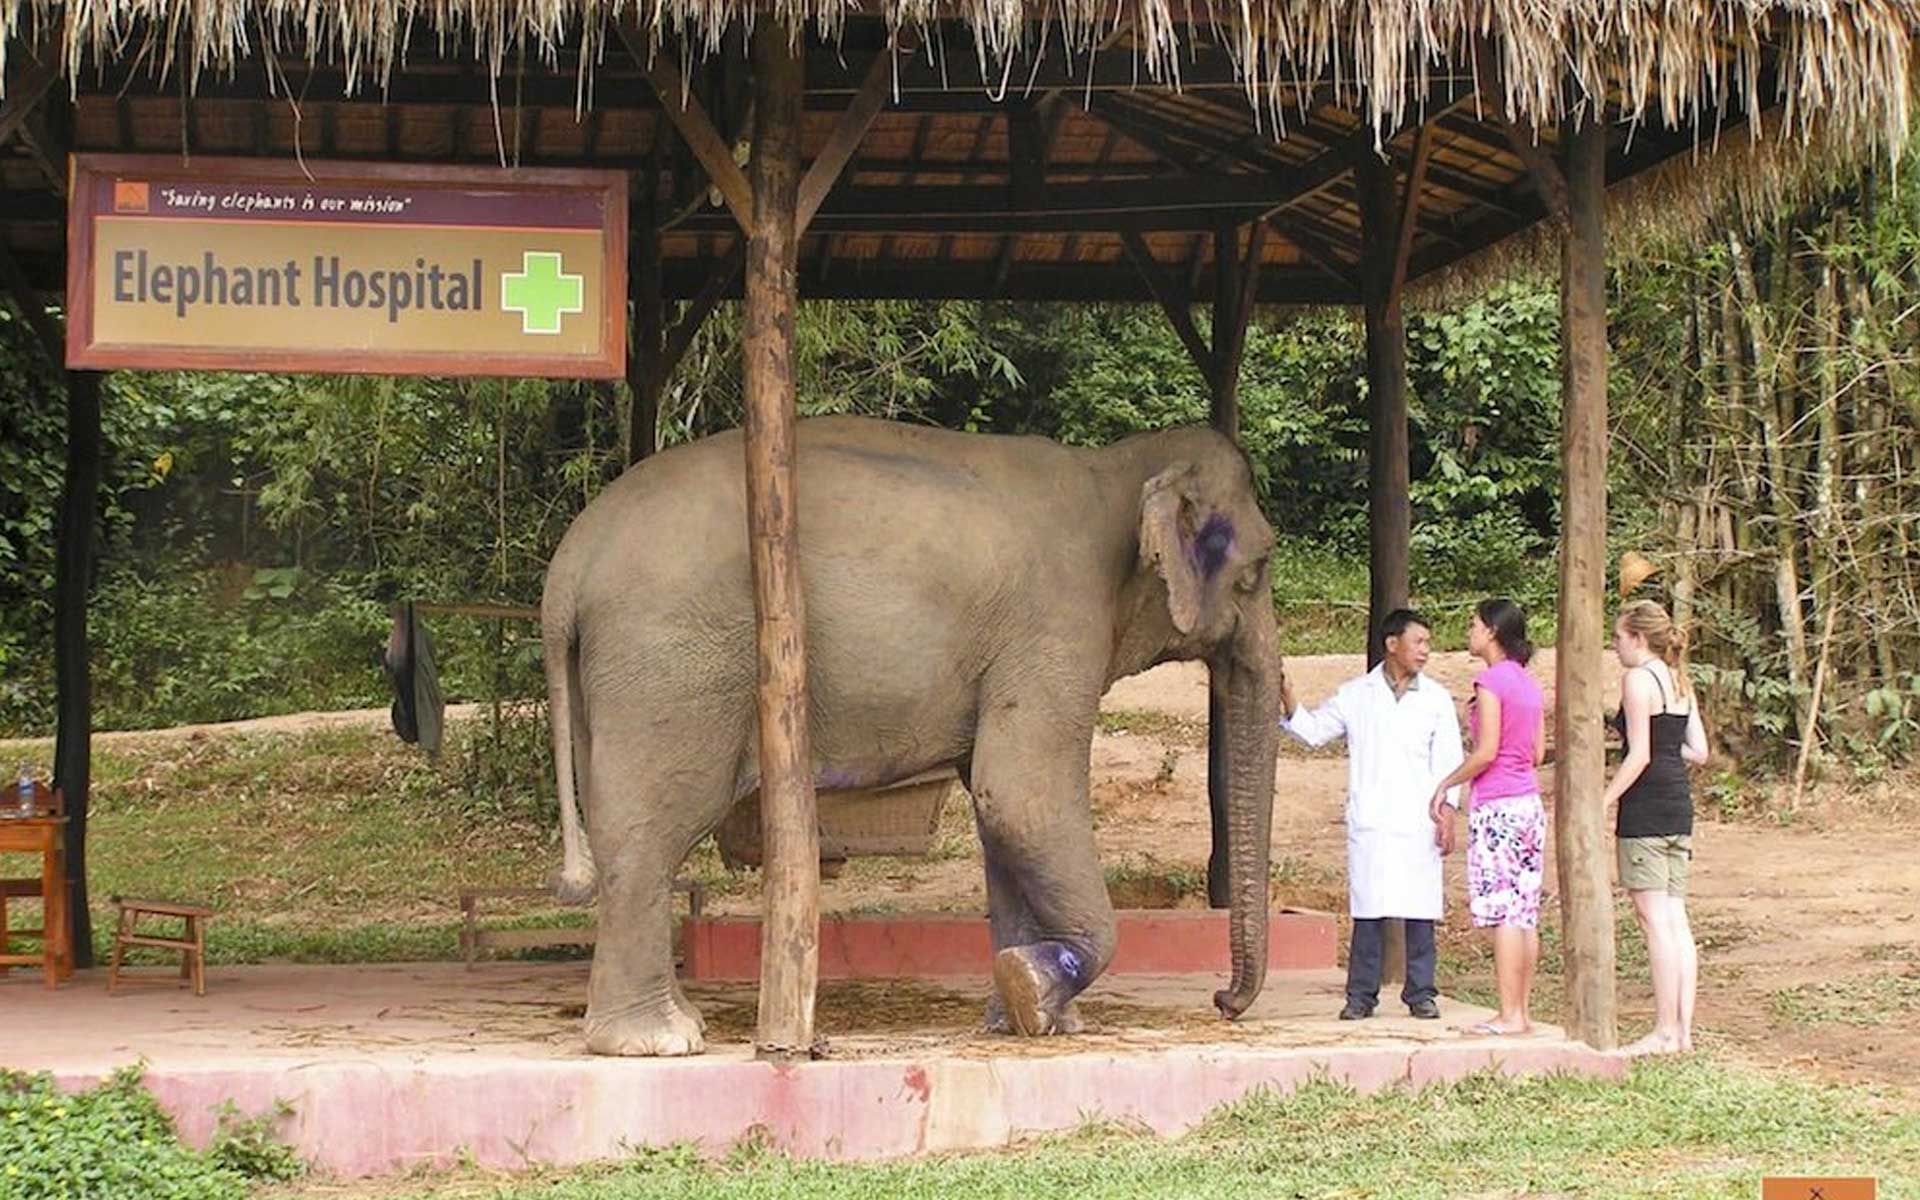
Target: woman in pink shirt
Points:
(1506, 821)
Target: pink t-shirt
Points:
(1511, 772)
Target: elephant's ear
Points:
(1166, 541)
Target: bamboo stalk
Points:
(1819, 684)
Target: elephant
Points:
(968, 600)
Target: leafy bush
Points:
(114, 1140)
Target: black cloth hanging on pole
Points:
(418, 709)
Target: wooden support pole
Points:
(1581, 843)
(1234, 283)
(73, 687)
(72, 578)
(1389, 485)
(790, 835)
(1386, 222)
(646, 373)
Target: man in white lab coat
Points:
(1403, 738)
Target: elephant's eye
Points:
(1249, 580)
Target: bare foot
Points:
(1653, 1043)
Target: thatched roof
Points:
(1845, 64)
(1028, 151)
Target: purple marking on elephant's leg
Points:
(1036, 985)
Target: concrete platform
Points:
(390, 1067)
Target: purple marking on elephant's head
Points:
(837, 777)
(1211, 545)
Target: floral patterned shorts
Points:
(1506, 861)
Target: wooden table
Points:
(42, 836)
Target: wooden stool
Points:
(192, 944)
(40, 835)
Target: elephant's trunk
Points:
(1253, 671)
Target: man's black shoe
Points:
(1426, 1010)
(1355, 1011)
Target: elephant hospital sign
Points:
(252, 265)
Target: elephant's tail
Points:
(571, 747)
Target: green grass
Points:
(337, 845)
(1675, 1128)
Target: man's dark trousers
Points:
(1370, 947)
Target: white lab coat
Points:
(1398, 750)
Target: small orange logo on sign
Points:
(1797, 1187)
(129, 196)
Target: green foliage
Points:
(114, 1140)
(250, 1146)
(257, 529)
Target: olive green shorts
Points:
(1655, 864)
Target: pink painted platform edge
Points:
(371, 1116)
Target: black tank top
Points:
(1660, 802)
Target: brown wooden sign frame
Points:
(87, 173)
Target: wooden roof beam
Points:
(1410, 209)
(47, 149)
(847, 135)
(690, 118)
(1173, 301)
(24, 93)
(1112, 281)
(1318, 252)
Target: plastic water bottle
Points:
(24, 797)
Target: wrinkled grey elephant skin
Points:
(969, 599)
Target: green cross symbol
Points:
(541, 292)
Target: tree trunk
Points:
(1786, 572)
(790, 835)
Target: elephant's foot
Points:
(996, 1020)
(646, 1033)
(687, 1006)
(1035, 985)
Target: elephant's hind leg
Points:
(650, 820)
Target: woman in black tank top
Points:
(1661, 728)
(1659, 802)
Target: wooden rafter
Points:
(1177, 307)
(23, 95)
(27, 300)
(690, 119)
(848, 133)
(1411, 190)
(1548, 179)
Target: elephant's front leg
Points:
(1013, 925)
(1053, 922)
